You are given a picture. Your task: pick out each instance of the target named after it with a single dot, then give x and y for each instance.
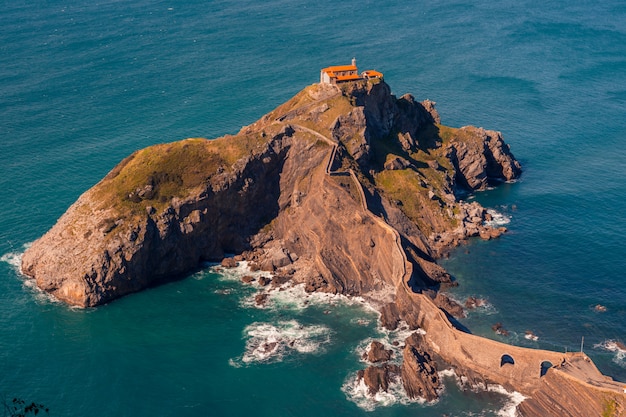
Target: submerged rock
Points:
(499, 329)
(474, 302)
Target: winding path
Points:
(515, 367)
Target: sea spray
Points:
(498, 219)
(356, 391)
(514, 399)
(14, 260)
(618, 348)
(510, 400)
(273, 342)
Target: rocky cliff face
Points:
(167, 208)
(346, 190)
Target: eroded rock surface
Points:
(419, 371)
(345, 190)
(378, 353)
(243, 194)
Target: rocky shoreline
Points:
(346, 190)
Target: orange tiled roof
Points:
(373, 73)
(348, 77)
(339, 68)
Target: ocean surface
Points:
(85, 83)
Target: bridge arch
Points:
(506, 359)
(545, 365)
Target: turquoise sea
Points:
(84, 84)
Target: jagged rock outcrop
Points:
(378, 353)
(377, 378)
(419, 371)
(342, 189)
(481, 157)
(417, 374)
(100, 250)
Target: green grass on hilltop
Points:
(173, 170)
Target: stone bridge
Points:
(545, 376)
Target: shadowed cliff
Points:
(346, 190)
(167, 208)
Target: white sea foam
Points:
(514, 399)
(236, 273)
(285, 296)
(400, 333)
(14, 259)
(392, 340)
(267, 343)
(614, 346)
(294, 297)
(486, 308)
(531, 336)
(360, 321)
(497, 219)
(356, 391)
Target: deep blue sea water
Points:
(83, 84)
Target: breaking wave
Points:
(269, 343)
(234, 274)
(512, 399)
(356, 391)
(296, 298)
(497, 219)
(618, 348)
(14, 260)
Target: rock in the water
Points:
(446, 303)
(264, 281)
(390, 316)
(378, 353)
(474, 302)
(229, 263)
(483, 160)
(419, 371)
(499, 329)
(378, 378)
(247, 279)
(260, 299)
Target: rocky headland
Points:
(347, 190)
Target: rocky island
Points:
(344, 189)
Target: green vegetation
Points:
(429, 170)
(610, 408)
(155, 175)
(407, 187)
(403, 185)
